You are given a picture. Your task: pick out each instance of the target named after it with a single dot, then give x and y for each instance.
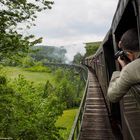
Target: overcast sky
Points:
(70, 23)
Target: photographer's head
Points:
(129, 43)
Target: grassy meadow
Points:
(66, 121)
(36, 77)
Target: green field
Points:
(67, 119)
(36, 77)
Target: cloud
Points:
(75, 19)
(75, 22)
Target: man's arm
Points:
(119, 85)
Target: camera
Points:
(122, 55)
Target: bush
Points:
(69, 87)
(26, 114)
(39, 68)
(27, 62)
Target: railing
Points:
(75, 131)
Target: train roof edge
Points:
(122, 4)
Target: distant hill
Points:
(91, 48)
(49, 54)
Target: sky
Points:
(71, 23)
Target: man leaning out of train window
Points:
(128, 80)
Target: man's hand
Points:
(122, 62)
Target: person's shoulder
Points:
(133, 65)
(132, 70)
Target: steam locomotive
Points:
(126, 113)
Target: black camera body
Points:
(122, 55)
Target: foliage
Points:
(77, 58)
(66, 121)
(26, 113)
(91, 48)
(49, 54)
(59, 74)
(36, 77)
(11, 61)
(43, 54)
(69, 87)
(27, 62)
(12, 14)
(35, 108)
(39, 68)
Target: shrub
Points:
(39, 68)
(26, 114)
(27, 62)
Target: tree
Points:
(77, 58)
(91, 48)
(12, 14)
(51, 53)
(26, 112)
(27, 61)
(68, 87)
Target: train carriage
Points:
(126, 113)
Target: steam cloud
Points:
(73, 50)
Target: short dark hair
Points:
(129, 40)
